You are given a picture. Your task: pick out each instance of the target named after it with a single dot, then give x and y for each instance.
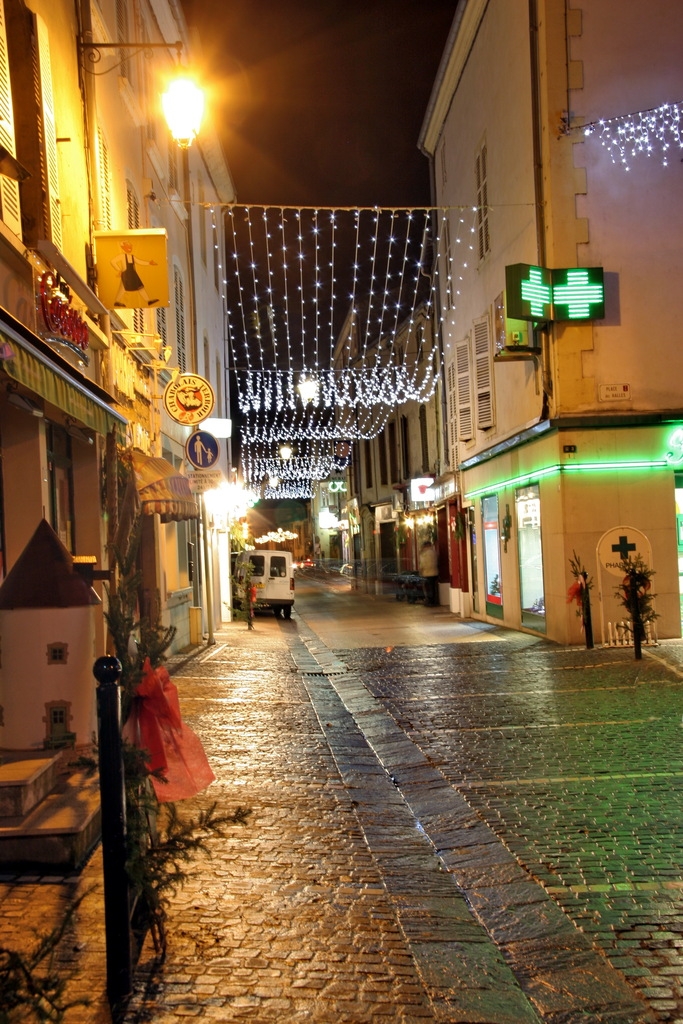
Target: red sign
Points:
(59, 315)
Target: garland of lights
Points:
(643, 132)
(304, 374)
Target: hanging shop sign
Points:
(62, 322)
(189, 398)
(541, 294)
(132, 268)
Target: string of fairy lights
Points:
(326, 315)
(656, 131)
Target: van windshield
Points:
(278, 566)
(258, 562)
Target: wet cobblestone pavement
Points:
(487, 830)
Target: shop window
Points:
(393, 453)
(532, 593)
(492, 567)
(367, 448)
(679, 535)
(176, 561)
(382, 449)
(60, 483)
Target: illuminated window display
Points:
(494, 589)
(528, 510)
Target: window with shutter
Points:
(483, 372)
(161, 324)
(9, 189)
(123, 36)
(424, 439)
(104, 181)
(465, 419)
(481, 176)
(133, 211)
(49, 131)
(179, 307)
(451, 436)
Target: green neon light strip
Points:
(575, 467)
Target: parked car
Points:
(272, 577)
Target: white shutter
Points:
(464, 391)
(483, 373)
(104, 181)
(49, 131)
(9, 189)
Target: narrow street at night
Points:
(449, 822)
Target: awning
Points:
(162, 489)
(45, 377)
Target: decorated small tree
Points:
(635, 594)
(579, 592)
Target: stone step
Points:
(59, 832)
(24, 783)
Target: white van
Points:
(273, 577)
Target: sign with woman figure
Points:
(132, 268)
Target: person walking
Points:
(429, 571)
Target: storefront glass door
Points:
(492, 574)
(532, 593)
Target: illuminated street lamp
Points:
(183, 106)
(183, 101)
(308, 389)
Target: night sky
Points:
(320, 102)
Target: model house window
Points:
(483, 372)
(9, 189)
(179, 308)
(481, 179)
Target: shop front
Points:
(550, 499)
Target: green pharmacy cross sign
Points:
(580, 296)
(537, 293)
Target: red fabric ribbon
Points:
(155, 725)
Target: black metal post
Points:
(107, 672)
(638, 629)
(586, 609)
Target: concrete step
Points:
(57, 833)
(24, 783)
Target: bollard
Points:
(586, 611)
(107, 672)
(634, 603)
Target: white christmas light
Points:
(645, 132)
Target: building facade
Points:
(558, 327)
(89, 162)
